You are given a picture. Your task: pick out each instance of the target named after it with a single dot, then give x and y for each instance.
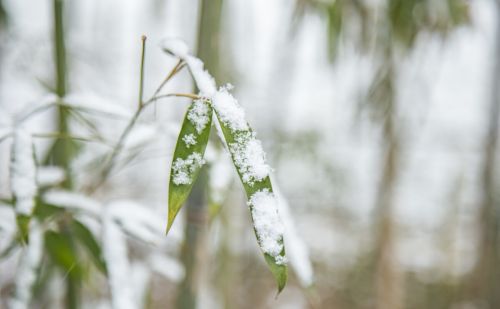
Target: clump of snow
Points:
(199, 115)
(23, 172)
(267, 223)
(229, 111)
(249, 157)
(49, 175)
(183, 169)
(189, 140)
(27, 268)
(204, 81)
(73, 200)
(176, 47)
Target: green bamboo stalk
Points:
(63, 149)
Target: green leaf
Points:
(88, 240)
(279, 270)
(188, 155)
(62, 252)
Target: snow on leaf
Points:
(189, 140)
(72, 200)
(176, 47)
(247, 155)
(49, 175)
(188, 159)
(267, 222)
(23, 173)
(249, 160)
(204, 81)
(229, 111)
(27, 269)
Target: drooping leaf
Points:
(62, 252)
(254, 182)
(87, 239)
(188, 155)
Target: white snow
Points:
(189, 140)
(49, 175)
(229, 111)
(249, 157)
(73, 200)
(267, 223)
(137, 220)
(183, 169)
(204, 81)
(23, 172)
(116, 256)
(27, 268)
(176, 47)
(199, 115)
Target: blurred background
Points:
(379, 118)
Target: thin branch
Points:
(170, 95)
(141, 79)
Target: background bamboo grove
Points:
(380, 119)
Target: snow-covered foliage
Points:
(49, 175)
(23, 172)
(184, 168)
(267, 223)
(26, 273)
(198, 115)
(248, 157)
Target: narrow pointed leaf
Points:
(87, 239)
(249, 160)
(188, 155)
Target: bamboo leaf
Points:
(188, 155)
(88, 240)
(249, 160)
(61, 250)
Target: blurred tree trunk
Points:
(197, 203)
(486, 276)
(388, 278)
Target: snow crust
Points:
(189, 140)
(267, 223)
(49, 175)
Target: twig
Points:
(141, 79)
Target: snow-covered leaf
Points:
(27, 269)
(188, 155)
(249, 159)
(87, 239)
